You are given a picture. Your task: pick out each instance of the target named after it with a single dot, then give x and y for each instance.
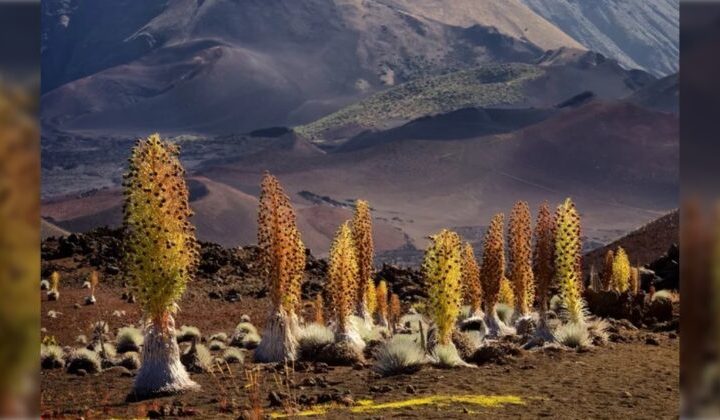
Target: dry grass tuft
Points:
(129, 360)
(573, 335)
(233, 355)
(83, 359)
(51, 356)
(129, 339)
(401, 355)
(187, 334)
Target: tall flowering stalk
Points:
(442, 272)
(364, 254)
(282, 263)
(492, 272)
(567, 261)
(471, 279)
(621, 271)
(607, 275)
(382, 303)
(520, 244)
(160, 257)
(342, 275)
(544, 257)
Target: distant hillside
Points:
(221, 67)
(223, 214)
(49, 230)
(661, 95)
(618, 161)
(491, 85)
(639, 34)
(557, 76)
(643, 245)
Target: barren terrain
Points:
(621, 380)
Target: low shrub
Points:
(446, 356)
(99, 327)
(412, 321)
(597, 329)
(250, 341)
(556, 304)
(51, 356)
(340, 353)
(219, 336)
(663, 294)
(197, 358)
(466, 342)
(107, 351)
(129, 360)
(83, 359)
(367, 332)
(312, 339)
(233, 355)
(401, 355)
(187, 334)
(245, 336)
(216, 345)
(573, 335)
(129, 339)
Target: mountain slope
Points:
(661, 95)
(638, 33)
(557, 75)
(644, 245)
(220, 66)
(618, 162)
(223, 214)
(510, 17)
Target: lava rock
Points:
(498, 353)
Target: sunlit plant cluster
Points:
(471, 301)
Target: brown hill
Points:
(226, 66)
(223, 215)
(616, 160)
(644, 245)
(50, 230)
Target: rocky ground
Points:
(635, 375)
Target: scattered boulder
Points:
(661, 310)
(498, 353)
(611, 304)
(667, 269)
(341, 353)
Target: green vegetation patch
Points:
(489, 85)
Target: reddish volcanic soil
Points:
(628, 379)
